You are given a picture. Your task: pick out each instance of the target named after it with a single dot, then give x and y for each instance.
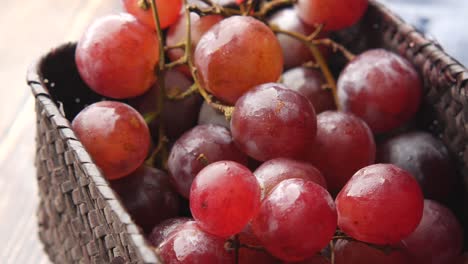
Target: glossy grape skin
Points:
(168, 12)
(235, 55)
(165, 229)
(115, 135)
(426, 158)
(191, 245)
(309, 82)
(198, 147)
(295, 53)
(344, 144)
(438, 239)
(178, 116)
(116, 56)
(296, 220)
(274, 171)
(354, 252)
(209, 115)
(380, 204)
(224, 197)
(272, 121)
(148, 196)
(177, 33)
(334, 14)
(380, 87)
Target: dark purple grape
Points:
(272, 121)
(309, 82)
(178, 116)
(426, 158)
(209, 115)
(198, 147)
(148, 196)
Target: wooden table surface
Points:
(28, 29)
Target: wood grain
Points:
(29, 29)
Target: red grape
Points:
(295, 52)
(344, 144)
(438, 239)
(177, 34)
(235, 55)
(165, 229)
(318, 259)
(380, 87)
(272, 121)
(309, 82)
(197, 148)
(117, 55)
(354, 252)
(426, 158)
(224, 197)
(148, 196)
(191, 245)
(296, 220)
(115, 135)
(380, 204)
(334, 14)
(168, 11)
(177, 116)
(272, 172)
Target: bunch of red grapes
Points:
(277, 162)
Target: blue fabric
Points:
(445, 21)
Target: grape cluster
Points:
(231, 107)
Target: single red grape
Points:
(272, 121)
(148, 196)
(333, 14)
(344, 144)
(274, 171)
(380, 204)
(224, 197)
(309, 82)
(426, 158)
(115, 135)
(296, 220)
(354, 252)
(235, 55)
(116, 56)
(197, 148)
(168, 11)
(165, 229)
(380, 87)
(438, 239)
(191, 245)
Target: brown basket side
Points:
(445, 106)
(80, 218)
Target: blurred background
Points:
(30, 28)
(443, 20)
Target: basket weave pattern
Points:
(82, 221)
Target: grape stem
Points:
(143, 4)
(267, 7)
(332, 252)
(226, 110)
(160, 73)
(312, 44)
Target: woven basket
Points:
(80, 218)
